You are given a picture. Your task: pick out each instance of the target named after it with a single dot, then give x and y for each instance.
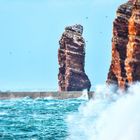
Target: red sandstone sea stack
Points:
(125, 65)
(71, 57)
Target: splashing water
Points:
(110, 116)
(84, 95)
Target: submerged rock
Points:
(125, 65)
(71, 57)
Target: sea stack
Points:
(71, 57)
(125, 65)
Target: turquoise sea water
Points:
(36, 119)
(110, 116)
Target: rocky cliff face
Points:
(132, 62)
(71, 57)
(125, 65)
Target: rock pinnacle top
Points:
(76, 28)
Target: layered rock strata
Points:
(125, 65)
(132, 62)
(71, 57)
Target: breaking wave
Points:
(84, 95)
(109, 116)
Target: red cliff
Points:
(71, 57)
(125, 65)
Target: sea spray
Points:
(110, 116)
(84, 95)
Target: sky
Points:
(29, 34)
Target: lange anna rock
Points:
(71, 57)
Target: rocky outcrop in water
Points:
(71, 57)
(125, 65)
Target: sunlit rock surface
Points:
(132, 63)
(125, 65)
(71, 57)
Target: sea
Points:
(108, 116)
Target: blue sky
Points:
(29, 35)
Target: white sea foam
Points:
(3, 113)
(44, 98)
(110, 116)
(49, 98)
(84, 95)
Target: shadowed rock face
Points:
(125, 65)
(71, 57)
